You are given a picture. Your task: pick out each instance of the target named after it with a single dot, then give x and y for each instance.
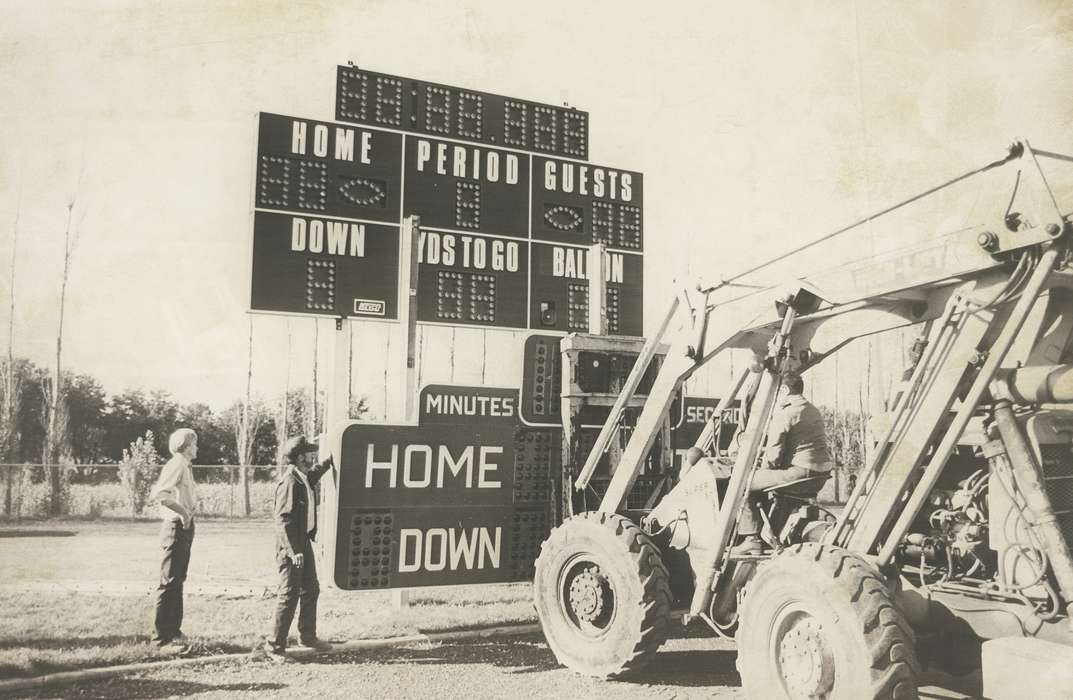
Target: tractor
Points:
(958, 532)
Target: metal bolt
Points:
(988, 241)
(1054, 230)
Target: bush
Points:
(138, 470)
(845, 435)
(29, 495)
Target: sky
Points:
(758, 126)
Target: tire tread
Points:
(887, 634)
(651, 573)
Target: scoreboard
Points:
(508, 210)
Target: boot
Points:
(750, 544)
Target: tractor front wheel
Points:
(819, 623)
(602, 594)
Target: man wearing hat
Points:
(296, 528)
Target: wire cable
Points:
(1015, 151)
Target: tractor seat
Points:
(807, 487)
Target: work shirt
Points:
(796, 437)
(296, 507)
(176, 482)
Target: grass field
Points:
(44, 628)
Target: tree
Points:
(133, 412)
(359, 406)
(54, 420)
(52, 390)
(245, 429)
(137, 471)
(844, 433)
(10, 380)
(284, 404)
(214, 444)
(312, 417)
(263, 438)
(86, 405)
(29, 421)
(10, 399)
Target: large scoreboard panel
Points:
(460, 498)
(507, 210)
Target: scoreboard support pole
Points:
(338, 399)
(336, 409)
(597, 258)
(410, 234)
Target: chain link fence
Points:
(96, 491)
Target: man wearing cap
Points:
(296, 528)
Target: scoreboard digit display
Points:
(467, 188)
(318, 265)
(584, 204)
(559, 292)
(326, 236)
(328, 169)
(394, 102)
(508, 210)
(472, 280)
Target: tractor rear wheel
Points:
(602, 594)
(819, 623)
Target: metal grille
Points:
(528, 530)
(373, 546)
(546, 379)
(534, 454)
(1057, 465)
(638, 496)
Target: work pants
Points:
(175, 541)
(751, 523)
(298, 588)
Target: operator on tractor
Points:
(796, 449)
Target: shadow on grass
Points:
(145, 688)
(37, 533)
(128, 641)
(72, 643)
(530, 654)
(38, 657)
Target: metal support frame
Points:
(706, 438)
(336, 410)
(614, 420)
(408, 278)
(995, 355)
(596, 265)
(744, 463)
(677, 367)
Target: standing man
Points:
(175, 492)
(796, 449)
(296, 528)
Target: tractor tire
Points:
(819, 623)
(602, 595)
